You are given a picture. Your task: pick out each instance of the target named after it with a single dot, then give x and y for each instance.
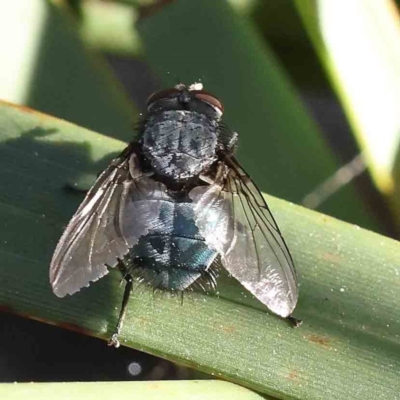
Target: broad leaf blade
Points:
(348, 346)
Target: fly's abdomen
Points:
(173, 254)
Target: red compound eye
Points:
(163, 94)
(208, 98)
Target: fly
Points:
(174, 207)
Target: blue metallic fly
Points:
(173, 208)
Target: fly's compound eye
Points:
(163, 94)
(210, 99)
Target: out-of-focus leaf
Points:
(46, 66)
(110, 27)
(156, 390)
(280, 145)
(347, 348)
(358, 44)
(280, 23)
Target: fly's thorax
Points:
(180, 144)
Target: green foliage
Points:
(349, 344)
(166, 390)
(280, 145)
(348, 295)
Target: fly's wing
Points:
(110, 220)
(235, 220)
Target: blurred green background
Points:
(312, 87)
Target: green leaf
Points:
(47, 67)
(365, 80)
(188, 390)
(109, 27)
(348, 346)
(280, 145)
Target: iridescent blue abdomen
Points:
(173, 254)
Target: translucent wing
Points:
(234, 219)
(110, 220)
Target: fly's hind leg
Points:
(127, 292)
(296, 323)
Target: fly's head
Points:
(186, 98)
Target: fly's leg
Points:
(127, 292)
(114, 338)
(294, 321)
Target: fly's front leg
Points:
(125, 300)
